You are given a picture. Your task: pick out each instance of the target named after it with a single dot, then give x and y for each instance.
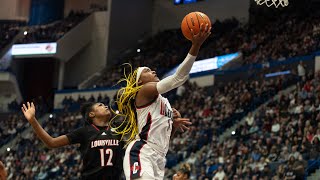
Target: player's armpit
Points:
(147, 93)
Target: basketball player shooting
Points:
(101, 149)
(148, 115)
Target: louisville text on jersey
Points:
(108, 142)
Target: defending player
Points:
(101, 150)
(149, 115)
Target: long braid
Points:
(125, 101)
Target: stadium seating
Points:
(54, 31)
(259, 44)
(30, 160)
(208, 124)
(13, 122)
(8, 30)
(274, 142)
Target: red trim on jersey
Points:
(107, 128)
(95, 127)
(160, 107)
(148, 104)
(164, 108)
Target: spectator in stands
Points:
(298, 167)
(250, 119)
(314, 149)
(14, 106)
(258, 44)
(280, 172)
(301, 70)
(99, 99)
(92, 99)
(197, 133)
(71, 105)
(289, 173)
(272, 140)
(219, 174)
(183, 173)
(53, 31)
(10, 127)
(268, 119)
(8, 30)
(294, 153)
(180, 91)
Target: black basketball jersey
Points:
(102, 151)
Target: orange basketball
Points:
(193, 21)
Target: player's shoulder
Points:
(113, 133)
(147, 90)
(81, 129)
(90, 130)
(148, 84)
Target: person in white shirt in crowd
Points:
(250, 119)
(301, 70)
(220, 174)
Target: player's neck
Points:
(100, 123)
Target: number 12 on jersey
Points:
(110, 153)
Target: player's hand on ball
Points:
(198, 39)
(182, 124)
(29, 111)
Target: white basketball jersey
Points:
(155, 123)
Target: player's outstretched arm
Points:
(150, 90)
(29, 112)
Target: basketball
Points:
(193, 21)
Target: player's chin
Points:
(108, 115)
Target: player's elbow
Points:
(51, 144)
(185, 78)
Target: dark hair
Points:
(185, 169)
(85, 110)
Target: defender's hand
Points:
(29, 111)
